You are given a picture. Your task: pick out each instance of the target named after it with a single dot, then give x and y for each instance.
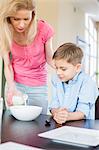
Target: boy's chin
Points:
(62, 80)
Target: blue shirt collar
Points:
(75, 77)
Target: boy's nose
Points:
(58, 72)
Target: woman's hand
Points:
(12, 91)
(61, 115)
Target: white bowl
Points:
(25, 113)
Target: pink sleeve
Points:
(47, 31)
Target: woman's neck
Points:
(22, 38)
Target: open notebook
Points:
(73, 136)
(16, 146)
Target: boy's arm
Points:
(61, 115)
(54, 104)
(77, 115)
(53, 111)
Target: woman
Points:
(30, 43)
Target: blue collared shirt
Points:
(79, 94)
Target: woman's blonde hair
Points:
(7, 9)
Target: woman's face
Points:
(21, 20)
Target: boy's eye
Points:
(63, 69)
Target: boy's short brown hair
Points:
(70, 52)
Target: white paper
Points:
(16, 146)
(73, 135)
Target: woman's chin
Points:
(20, 30)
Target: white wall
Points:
(48, 10)
(98, 51)
(0, 75)
(70, 22)
(66, 19)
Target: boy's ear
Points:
(78, 67)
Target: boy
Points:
(73, 91)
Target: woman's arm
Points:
(8, 70)
(9, 75)
(49, 52)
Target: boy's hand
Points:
(61, 115)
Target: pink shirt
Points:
(29, 62)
